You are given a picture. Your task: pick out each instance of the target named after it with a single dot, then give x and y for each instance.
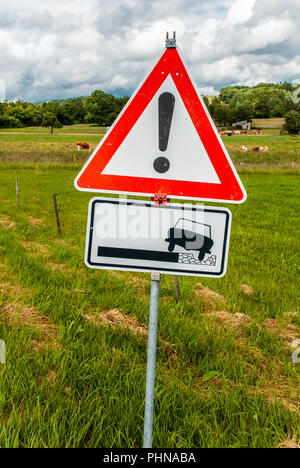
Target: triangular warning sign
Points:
(164, 141)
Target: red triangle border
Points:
(229, 190)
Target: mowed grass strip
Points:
(80, 129)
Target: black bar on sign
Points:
(138, 254)
(166, 103)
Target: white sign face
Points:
(178, 239)
(129, 160)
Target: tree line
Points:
(265, 100)
(100, 108)
(234, 103)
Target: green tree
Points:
(102, 108)
(206, 101)
(292, 122)
(213, 104)
(7, 121)
(74, 112)
(220, 114)
(57, 109)
(277, 107)
(26, 113)
(228, 93)
(122, 101)
(50, 120)
(262, 104)
(265, 99)
(243, 112)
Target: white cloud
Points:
(207, 91)
(204, 41)
(240, 11)
(267, 32)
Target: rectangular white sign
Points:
(178, 239)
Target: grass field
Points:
(269, 123)
(76, 338)
(36, 145)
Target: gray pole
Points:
(151, 358)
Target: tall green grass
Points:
(217, 385)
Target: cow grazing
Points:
(83, 145)
(260, 149)
(257, 132)
(244, 149)
(236, 132)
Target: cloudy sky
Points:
(65, 48)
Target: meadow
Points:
(37, 145)
(76, 338)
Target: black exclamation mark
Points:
(166, 103)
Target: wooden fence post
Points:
(56, 213)
(176, 283)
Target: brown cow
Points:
(260, 149)
(83, 145)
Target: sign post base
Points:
(151, 359)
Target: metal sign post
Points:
(151, 359)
